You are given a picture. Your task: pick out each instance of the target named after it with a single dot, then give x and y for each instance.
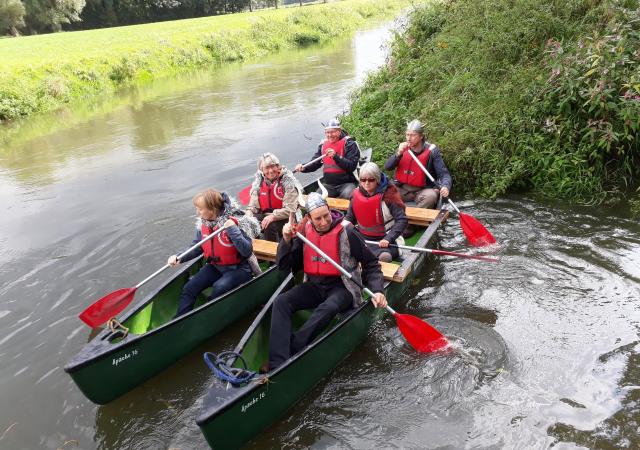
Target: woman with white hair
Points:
(378, 212)
(274, 194)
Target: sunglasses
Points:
(367, 180)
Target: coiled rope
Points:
(234, 375)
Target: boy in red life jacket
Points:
(274, 195)
(341, 157)
(324, 288)
(411, 181)
(226, 254)
(378, 212)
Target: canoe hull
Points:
(231, 416)
(105, 370)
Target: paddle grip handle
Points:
(312, 161)
(426, 172)
(339, 267)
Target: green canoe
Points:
(112, 364)
(232, 415)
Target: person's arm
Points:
(195, 252)
(371, 271)
(289, 255)
(392, 162)
(442, 175)
(316, 165)
(350, 216)
(240, 241)
(400, 222)
(349, 162)
(254, 203)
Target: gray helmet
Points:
(415, 125)
(314, 200)
(332, 124)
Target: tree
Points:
(11, 16)
(49, 15)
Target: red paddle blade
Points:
(475, 232)
(422, 336)
(107, 307)
(245, 195)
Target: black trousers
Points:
(274, 231)
(327, 301)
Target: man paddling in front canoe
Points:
(341, 155)
(324, 288)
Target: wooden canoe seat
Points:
(417, 216)
(267, 250)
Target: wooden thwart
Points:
(416, 216)
(267, 250)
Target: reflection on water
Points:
(545, 350)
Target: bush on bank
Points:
(41, 73)
(521, 95)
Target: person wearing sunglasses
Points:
(341, 155)
(274, 195)
(412, 182)
(378, 212)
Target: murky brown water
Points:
(547, 340)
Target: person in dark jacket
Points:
(378, 212)
(341, 157)
(410, 179)
(324, 288)
(227, 254)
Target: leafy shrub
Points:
(520, 95)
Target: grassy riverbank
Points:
(521, 95)
(41, 73)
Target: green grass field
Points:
(41, 73)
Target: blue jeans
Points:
(208, 276)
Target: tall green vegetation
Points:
(538, 95)
(11, 16)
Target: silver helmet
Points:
(333, 124)
(415, 125)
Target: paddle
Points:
(245, 195)
(422, 336)
(111, 304)
(438, 252)
(475, 232)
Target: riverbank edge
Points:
(33, 89)
(521, 96)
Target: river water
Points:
(546, 340)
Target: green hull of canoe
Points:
(106, 367)
(231, 416)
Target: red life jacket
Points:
(219, 250)
(408, 172)
(314, 264)
(368, 212)
(270, 196)
(329, 164)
